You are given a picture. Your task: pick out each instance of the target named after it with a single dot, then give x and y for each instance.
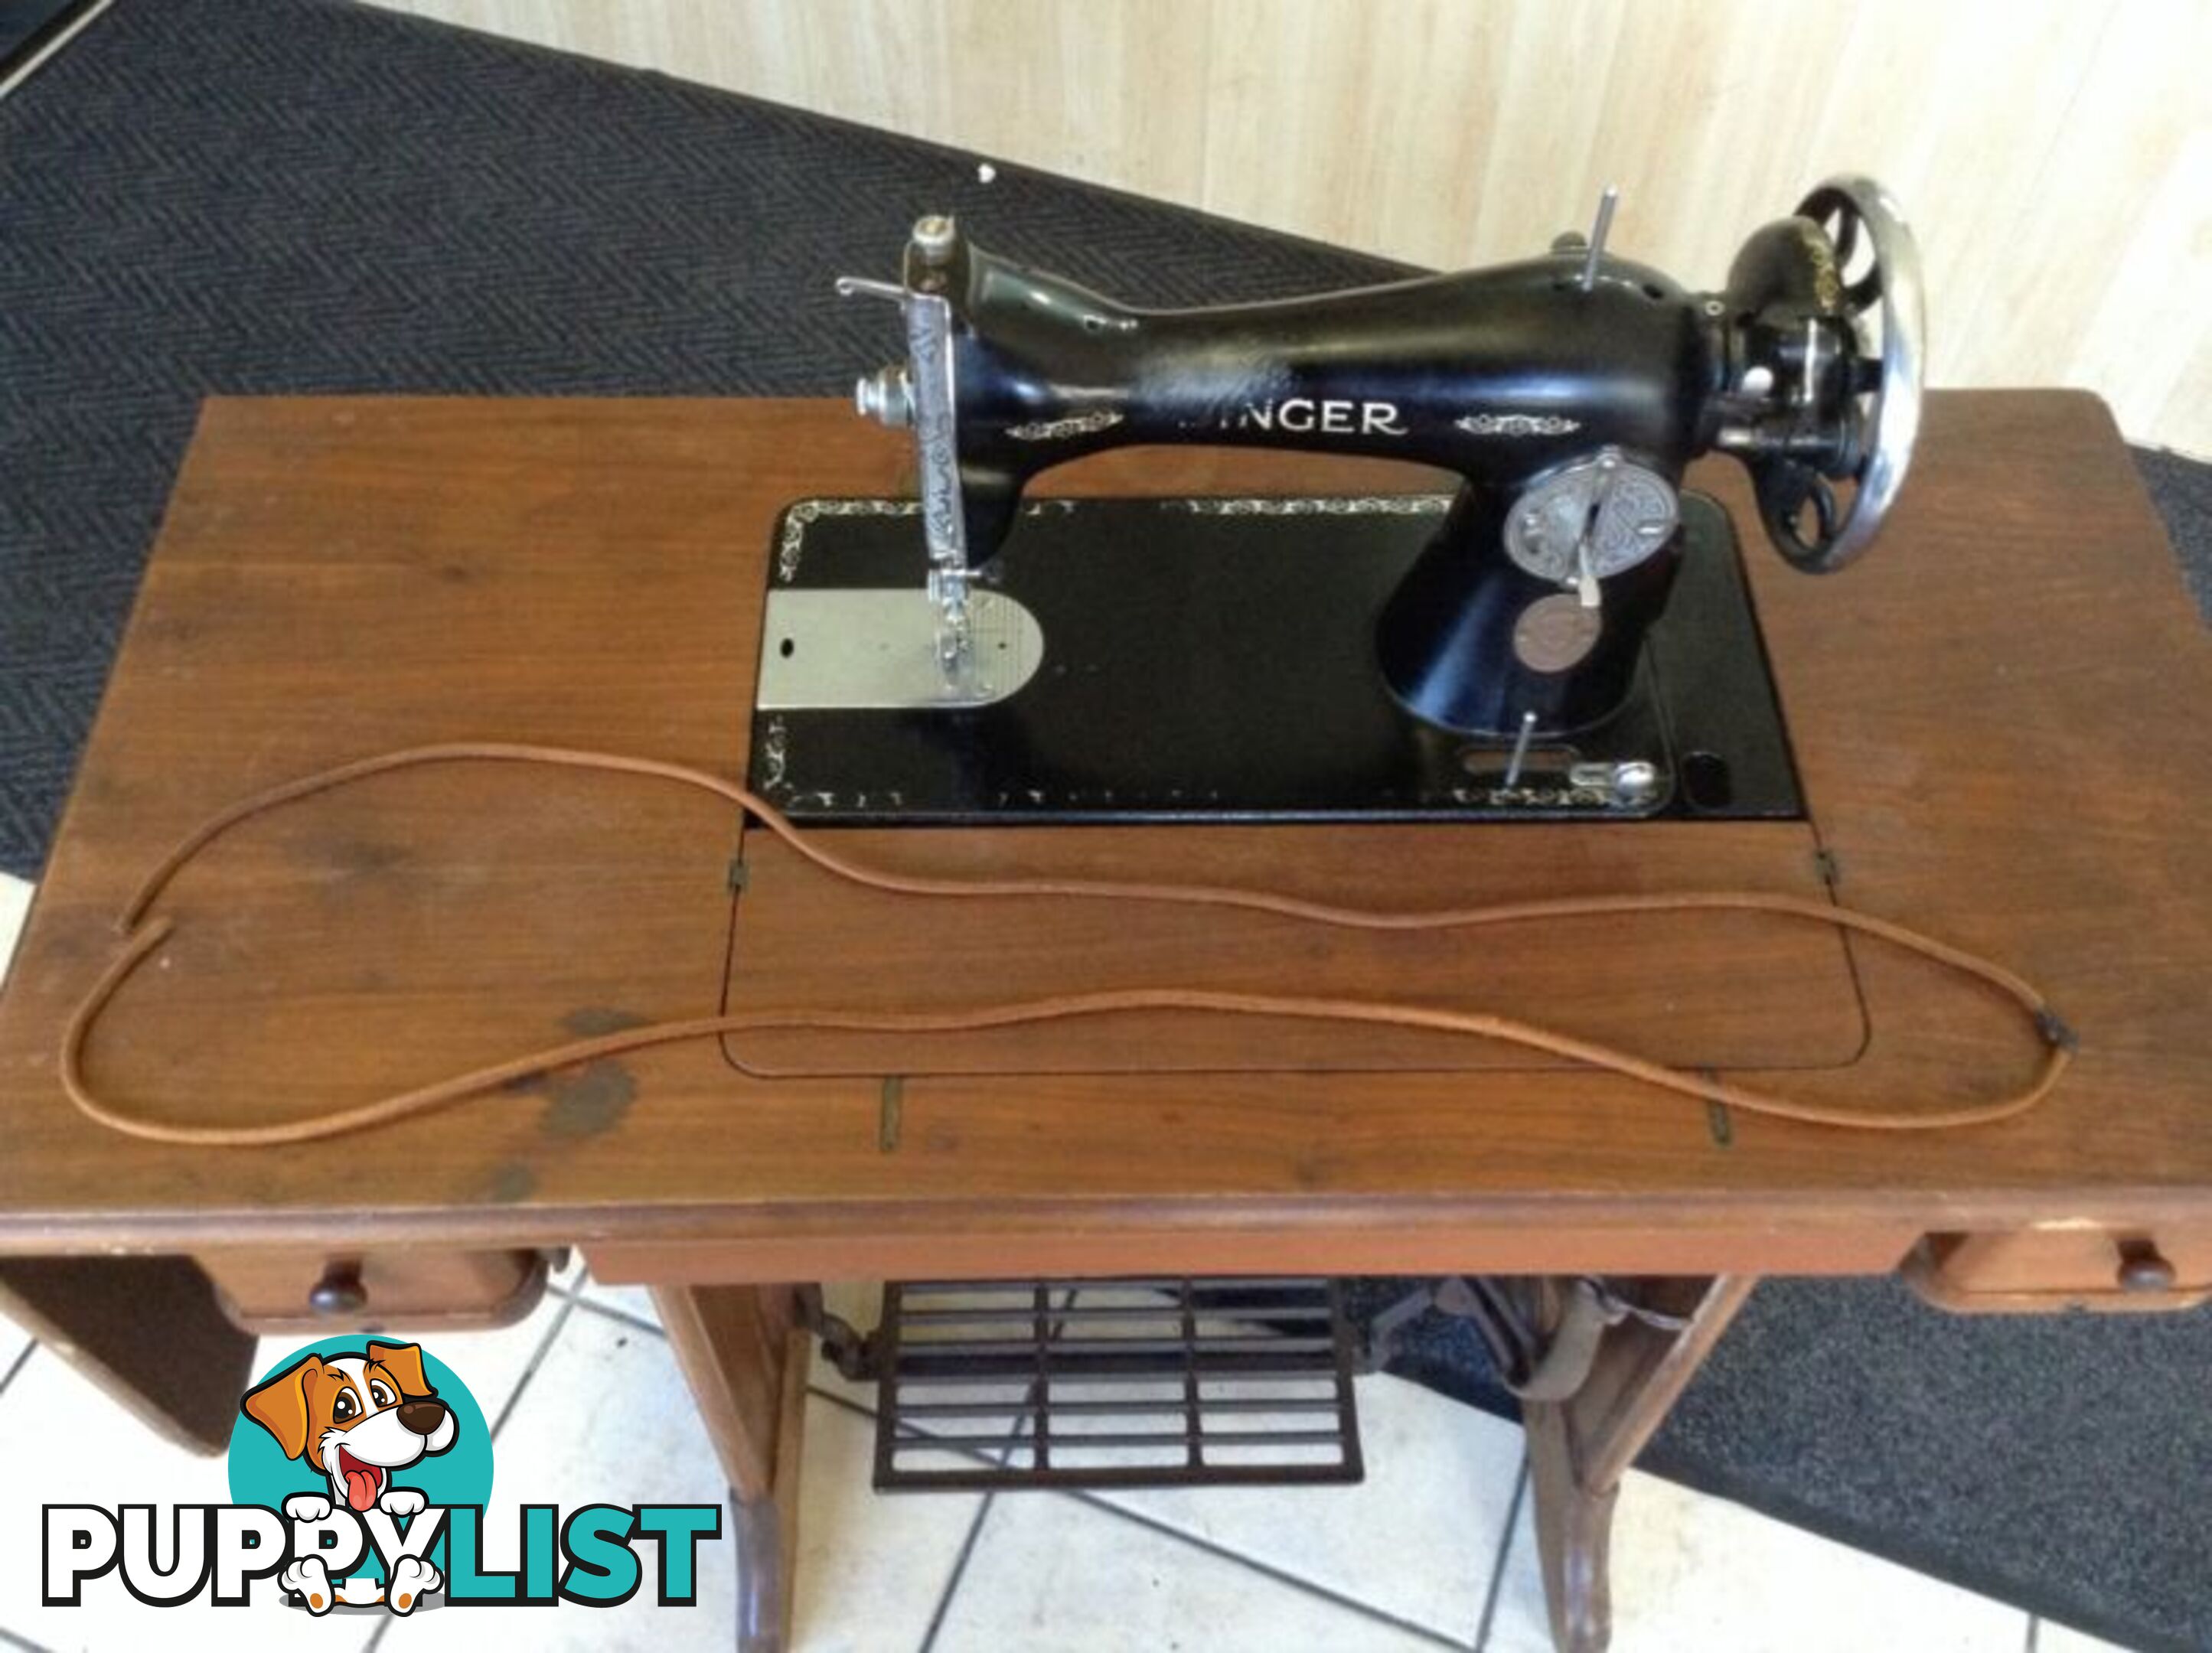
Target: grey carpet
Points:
(282, 195)
(2062, 1463)
(206, 197)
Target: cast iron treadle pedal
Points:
(1113, 1383)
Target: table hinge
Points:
(2055, 1031)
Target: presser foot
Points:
(956, 633)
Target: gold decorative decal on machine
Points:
(1056, 430)
(791, 537)
(1309, 505)
(791, 534)
(1518, 424)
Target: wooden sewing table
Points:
(1971, 708)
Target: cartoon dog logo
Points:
(356, 1419)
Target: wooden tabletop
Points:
(1996, 716)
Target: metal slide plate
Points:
(831, 650)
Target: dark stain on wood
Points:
(593, 1098)
(589, 1099)
(510, 1182)
(360, 858)
(592, 1020)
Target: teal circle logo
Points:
(352, 1420)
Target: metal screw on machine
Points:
(2143, 1267)
(1635, 780)
(886, 397)
(934, 237)
(340, 1290)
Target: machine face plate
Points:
(1212, 660)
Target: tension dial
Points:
(1592, 519)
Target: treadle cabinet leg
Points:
(747, 1369)
(150, 1331)
(1579, 1448)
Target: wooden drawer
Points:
(2081, 1264)
(367, 1291)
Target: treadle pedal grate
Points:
(1000, 1385)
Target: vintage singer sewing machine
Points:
(1568, 635)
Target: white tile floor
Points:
(1435, 1549)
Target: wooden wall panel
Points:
(2056, 154)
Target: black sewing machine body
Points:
(1514, 622)
(1503, 375)
(1500, 374)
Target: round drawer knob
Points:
(339, 1291)
(2142, 1268)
